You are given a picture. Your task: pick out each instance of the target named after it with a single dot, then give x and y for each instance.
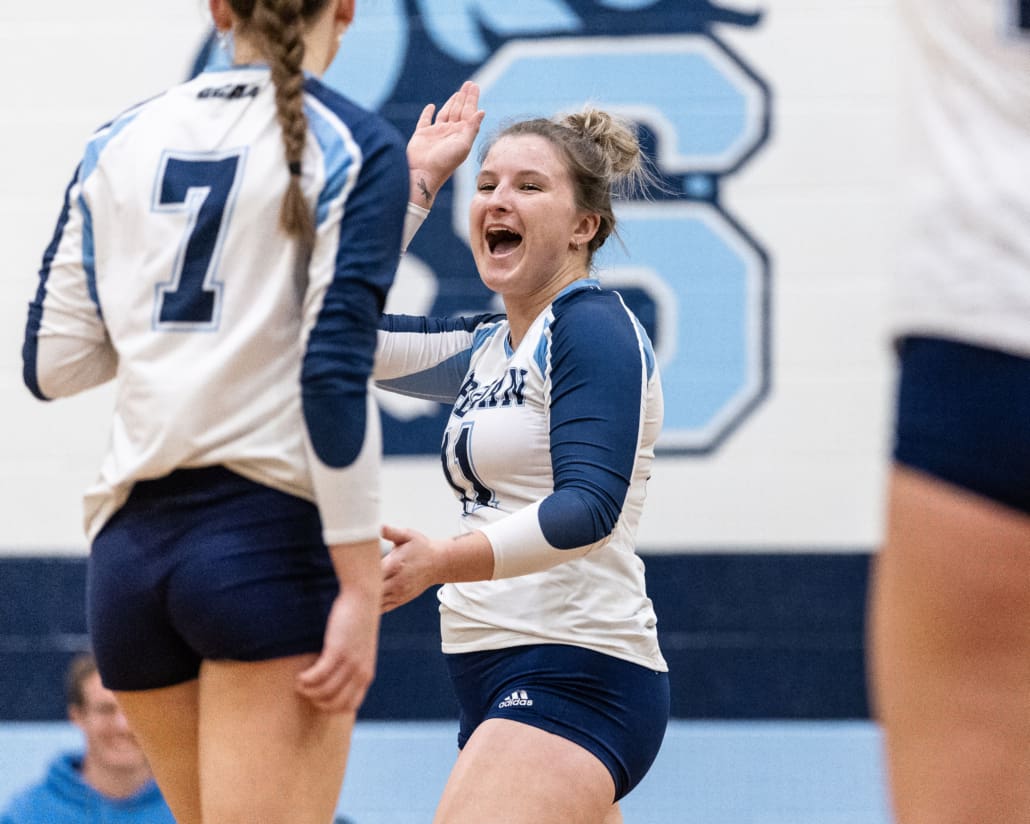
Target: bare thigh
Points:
(267, 754)
(165, 722)
(517, 774)
(950, 654)
(239, 745)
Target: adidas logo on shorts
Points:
(519, 698)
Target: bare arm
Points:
(343, 671)
(437, 148)
(416, 563)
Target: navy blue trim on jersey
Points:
(1021, 15)
(596, 383)
(341, 345)
(963, 415)
(209, 48)
(29, 350)
(614, 709)
(441, 382)
(335, 373)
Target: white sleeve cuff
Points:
(348, 498)
(413, 220)
(520, 547)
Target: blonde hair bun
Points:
(615, 137)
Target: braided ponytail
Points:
(279, 28)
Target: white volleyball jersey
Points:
(965, 263)
(548, 449)
(169, 271)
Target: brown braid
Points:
(279, 28)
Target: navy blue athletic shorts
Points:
(205, 564)
(964, 416)
(615, 709)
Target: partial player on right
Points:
(950, 606)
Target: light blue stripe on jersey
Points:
(30, 348)
(90, 160)
(645, 341)
(578, 285)
(103, 136)
(89, 254)
(339, 161)
(543, 345)
(483, 334)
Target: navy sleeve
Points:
(434, 366)
(341, 347)
(597, 381)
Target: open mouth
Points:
(502, 241)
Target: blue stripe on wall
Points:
(747, 636)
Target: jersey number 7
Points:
(204, 187)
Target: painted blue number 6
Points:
(706, 278)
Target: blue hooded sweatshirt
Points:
(64, 798)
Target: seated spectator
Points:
(109, 781)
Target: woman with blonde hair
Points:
(547, 628)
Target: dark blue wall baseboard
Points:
(747, 636)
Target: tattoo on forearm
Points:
(424, 190)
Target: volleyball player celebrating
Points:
(548, 632)
(224, 253)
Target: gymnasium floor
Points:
(767, 772)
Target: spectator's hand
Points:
(437, 148)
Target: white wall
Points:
(803, 472)
(68, 67)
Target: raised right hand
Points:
(438, 147)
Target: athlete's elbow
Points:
(574, 520)
(31, 380)
(35, 374)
